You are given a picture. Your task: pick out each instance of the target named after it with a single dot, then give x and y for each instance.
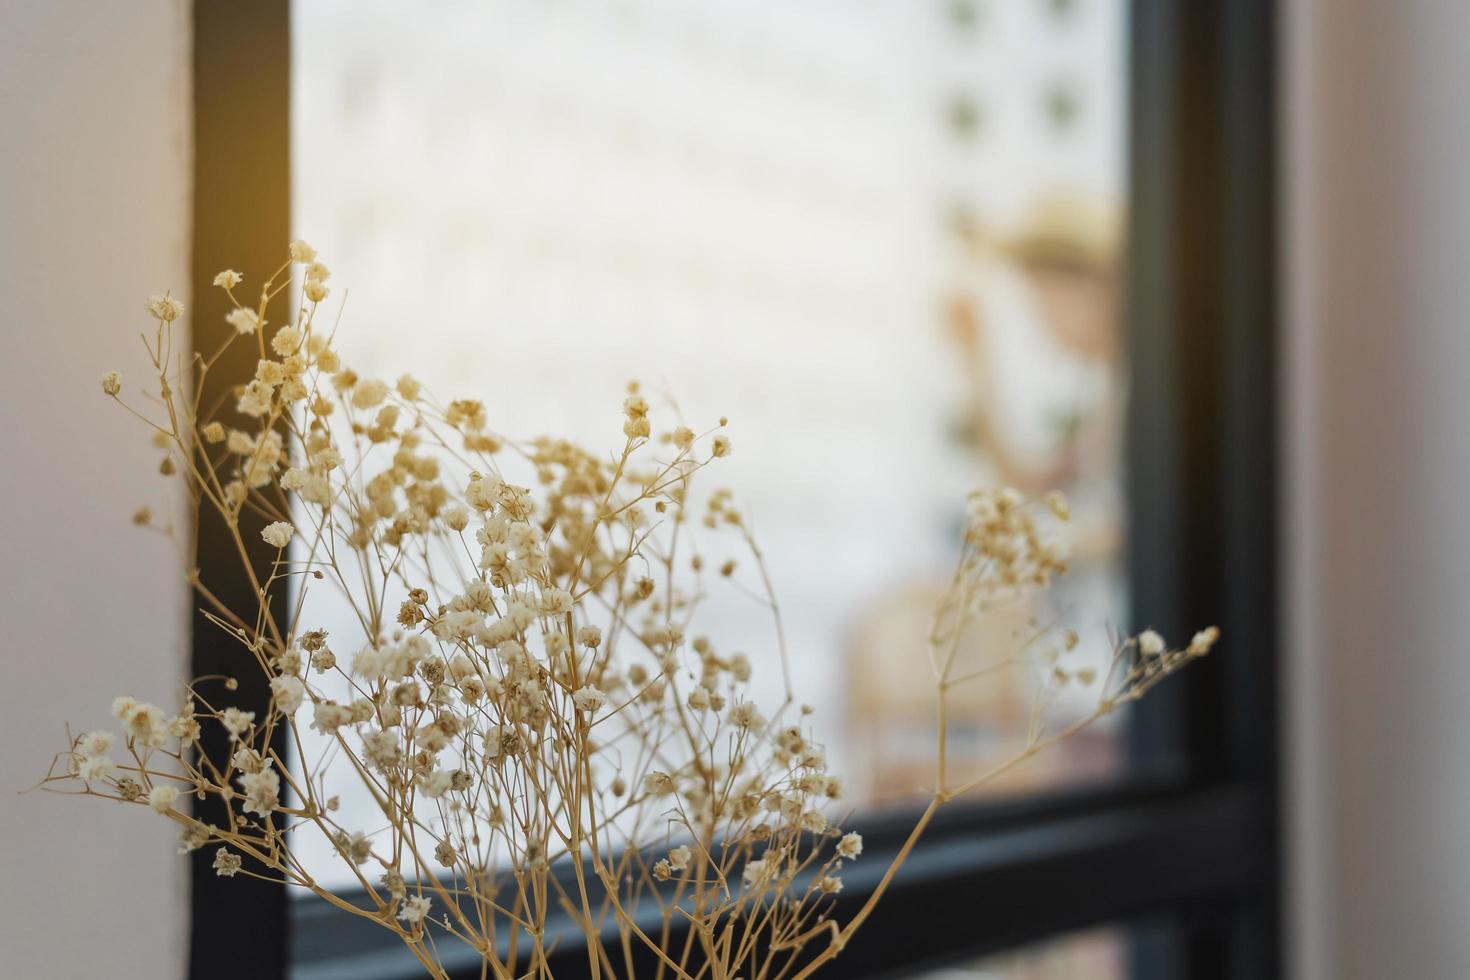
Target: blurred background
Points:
(884, 241)
(887, 239)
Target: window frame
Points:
(1193, 830)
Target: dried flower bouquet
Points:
(522, 697)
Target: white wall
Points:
(1378, 166)
(94, 197)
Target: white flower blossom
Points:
(95, 767)
(288, 692)
(95, 743)
(226, 863)
(262, 791)
(369, 393)
(287, 340)
(589, 699)
(245, 320)
(414, 910)
(435, 784)
(161, 798)
(277, 534)
(330, 716)
(236, 722)
(1204, 640)
(164, 307)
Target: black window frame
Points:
(1194, 829)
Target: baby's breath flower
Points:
(142, 721)
(161, 798)
(329, 716)
(262, 791)
(95, 767)
(288, 692)
(95, 743)
(658, 783)
(1204, 640)
(544, 593)
(193, 837)
(164, 307)
(370, 393)
(277, 534)
(287, 340)
(757, 871)
(414, 910)
(436, 784)
(589, 699)
(255, 399)
(226, 863)
(237, 722)
(245, 320)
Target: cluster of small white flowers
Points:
(536, 690)
(91, 757)
(165, 308)
(277, 534)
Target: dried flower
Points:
(277, 534)
(414, 910)
(288, 692)
(589, 699)
(245, 320)
(226, 863)
(164, 307)
(546, 604)
(161, 798)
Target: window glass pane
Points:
(883, 237)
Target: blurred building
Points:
(885, 244)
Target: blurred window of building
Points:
(883, 237)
